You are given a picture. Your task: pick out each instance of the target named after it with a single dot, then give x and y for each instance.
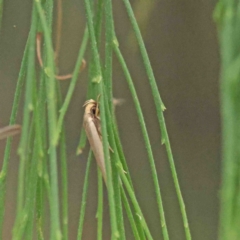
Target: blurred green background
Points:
(181, 40)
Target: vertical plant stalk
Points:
(72, 85)
(84, 197)
(39, 209)
(227, 14)
(115, 175)
(82, 142)
(108, 51)
(43, 177)
(98, 28)
(28, 108)
(64, 173)
(12, 121)
(116, 161)
(51, 98)
(159, 109)
(64, 177)
(109, 33)
(99, 215)
(130, 215)
(99, 82)
(59, 30)
(146, 140)
(25, 219)
(37, 158)
(134, 201)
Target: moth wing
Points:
(95, 142)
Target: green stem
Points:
(159, 108)
(84, 197)
(120, 152)
(12, 121)
(64, 178)
(116, 162)
(115, 175)
(39, 209)
(51, 99)
(230, 74)
(37, 159)
(64, 173)
(98, 80)
(42, 166)
(28, 108)
(134, 200)
(146, 140)
(82, 142)
(130, 215)
(98, 28)
(72, 85)
(100, 206)
(108, 51)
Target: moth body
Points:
(92, 126)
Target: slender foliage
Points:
(159, 109)
(84, 197)
(73, 82)
(146, 139)
(43, 138)
(227, 16)
(64, 176)
(98, 79)
(99, 215)
(52, 119)
(7, 152)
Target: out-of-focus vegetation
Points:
(227, 16)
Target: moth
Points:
(9, 131)
(92, 126)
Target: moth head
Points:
(92, 107)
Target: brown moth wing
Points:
(9, 131)
(91, 128)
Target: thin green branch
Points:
(7, 151)
(115, 175)
(130, 215)
(84, 197)
(43, 188)
(116, 162)
(28, 108)
(25, 221)
(229, 36)
(146, 140)
(64, 178)
(82, 142)
(99, 81)
(51, 99)
(37, 158)
(72, 85)
(134, 200)
(118, 201)
(117, 156)
(98, 29)
(99, 215)
(39, 209)
(108, 51)
(159, 109)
